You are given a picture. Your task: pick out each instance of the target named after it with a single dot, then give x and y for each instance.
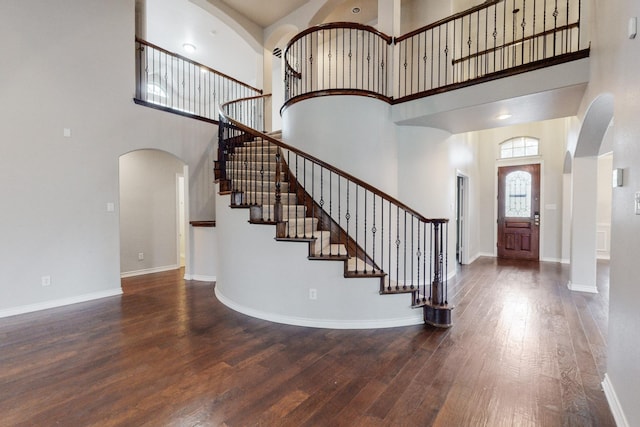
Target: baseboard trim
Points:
(149, 271)
(200, 278)
(614, 403)
(556, 260)
(582, 288)
(321, 323)
(30, 308)
(479, 255)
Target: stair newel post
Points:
(437, 312)
(223, 154)
(436, 284)
(277, 206)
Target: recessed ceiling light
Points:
(355, 10)
(503, 116)
(189, 47)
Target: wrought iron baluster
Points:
(404, 255)
(357, 208)
(365, 229)
(398, 247)
(313, 204)
(424, 265)
(373, 234)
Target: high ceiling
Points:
(264, 12)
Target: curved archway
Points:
(249, 31)
(594, 125)
(153, 212)
(584, 194)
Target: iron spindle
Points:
(404, 255)
(397, 247)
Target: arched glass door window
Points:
(521, 146)
(517, 195)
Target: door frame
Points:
(464, 259)
(520, 161)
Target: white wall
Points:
(148, 214)
(615, 60)
(552, 135)
(603, 213)
(418, 13)
(271, 280)
(340, 131)
(70, 64)
(171, 23)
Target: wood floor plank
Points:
(523, 351)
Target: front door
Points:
(519, 212)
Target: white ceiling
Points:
(264, 12)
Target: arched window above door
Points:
(521, 146)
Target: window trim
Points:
(524, 139)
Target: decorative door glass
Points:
(518, 195)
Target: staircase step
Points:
(253, 164)
(256, 147)
(250, 175)
(301, 226)
(333, 251)
(393, 287)
(260, 185)
(288, 211)
(357, 267)
(252, 156)
(267, 198)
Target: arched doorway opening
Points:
(153, 212)
(584, 194)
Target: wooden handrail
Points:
(341, 25)
(516, 42)
(202, 67)
(322, 163)
(447, 19)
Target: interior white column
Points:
(583, 225)
(141, 19)
(389, 13)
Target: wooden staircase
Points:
(252, 169)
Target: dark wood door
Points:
(519, 212)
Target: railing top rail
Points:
(202, 66)
(448, 19)
(331, 25)
(321, 163)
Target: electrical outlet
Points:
(46, 280)
(140, 256)
(313, 293)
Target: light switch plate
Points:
(637, 203)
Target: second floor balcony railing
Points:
(168, 81)
(493, 39)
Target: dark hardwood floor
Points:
(523, 351)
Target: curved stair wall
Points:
(337, 219)
(270, 280)
(353, 133)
